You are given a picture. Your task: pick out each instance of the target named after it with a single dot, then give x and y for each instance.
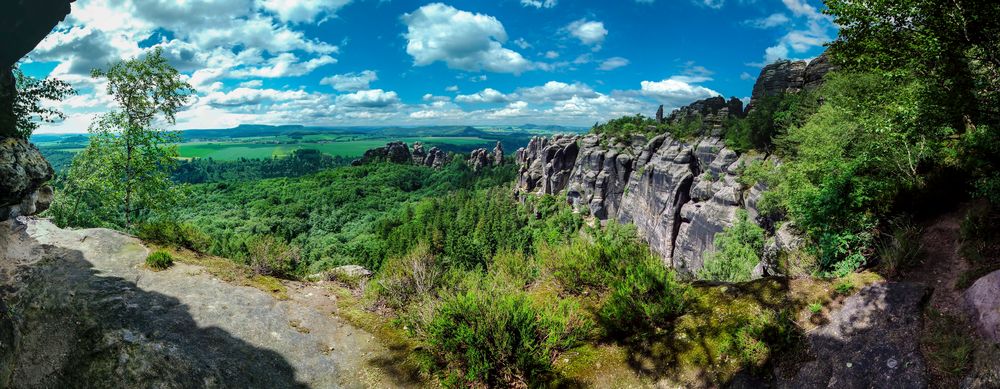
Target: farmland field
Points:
(345, 148)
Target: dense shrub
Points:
(844, 167)
(501, 339)
(737, 252)
(595, 263)
(159, 260)
(648, 297)
(173, 233)
(270, 256)
(771, 117)
(407, 278)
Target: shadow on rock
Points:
(66, 325)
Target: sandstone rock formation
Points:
(480, 158)
(419, 154)
(713, 112)
(871, 342)
(983, 299)
(399, 152)
(679, 194)
(545, 163)
(789, 77)
(23, 174)
(23, 171)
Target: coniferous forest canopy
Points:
(486, 286)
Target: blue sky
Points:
(393, 62)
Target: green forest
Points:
(486, 289)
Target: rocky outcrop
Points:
(790, 77)
(677, 194)
(983, 299)
(23, 176)
(870, 342)
(713, 112)
(436, 158)
(399, 152)
(419, 154)
(546, 164)
(23, 171)
(87, 313)
(482, 158)
(600, 175)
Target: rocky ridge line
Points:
(679, 194)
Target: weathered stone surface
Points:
(983, 299)
(90, 315)
(779, 77)
(716, 196)
(546, 163)
(395, 152)
(399, 152)
(498, 154)
(436, 158)
(478, 159)
(657, 190)
(23, 173)
(871, 342)
(419, 154)
(713, 111)
(790, 77)
(817, 69)
(600, 175)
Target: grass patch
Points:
(229, 271)
(947, 345)
(159, 260)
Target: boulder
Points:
(983, 299)
(23, 174)
(869, 343)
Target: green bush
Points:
(593, 264)
(648, 297)
(737, 252)
(159, 260)
(407, 278)
(173, 233)
(501, 339)
(270, 256)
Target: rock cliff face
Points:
(23, 171)
(678, 194)
(399, 152)
(789, 77)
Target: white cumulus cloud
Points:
(462, 40)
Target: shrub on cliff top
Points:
(159, 260)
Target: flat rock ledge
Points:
(871, 342)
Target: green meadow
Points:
(277, 147)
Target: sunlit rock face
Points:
(678, 193)
(790, 77)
